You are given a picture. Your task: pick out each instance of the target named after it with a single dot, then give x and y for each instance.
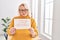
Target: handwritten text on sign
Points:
(22, 23)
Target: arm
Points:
(10, 26)
(33, 25)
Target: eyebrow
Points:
(23, 9)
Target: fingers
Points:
(31, 29)
(32, 32)
(12, 30)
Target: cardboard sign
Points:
(22, 23)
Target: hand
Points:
(12, 30)
(32, 32)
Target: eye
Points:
(19, 9)
(23, 9)
(26, 9)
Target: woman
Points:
(22, 34)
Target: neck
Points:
(24, 16)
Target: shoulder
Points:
(32, 19)
(15, 17)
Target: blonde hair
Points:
(22, 4)
(26, 6)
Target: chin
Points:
(24, 15)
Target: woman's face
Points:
(23, 11)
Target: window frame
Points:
(43, 20)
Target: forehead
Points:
(22, 7)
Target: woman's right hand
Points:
(12, 30)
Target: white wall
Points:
(56, 20)
(9, 8)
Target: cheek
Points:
(23, 13)
(19, 12)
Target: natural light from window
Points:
(46, 17)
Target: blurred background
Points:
(45, 12)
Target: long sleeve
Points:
(10, 26)
(22, 34)
(33, 25)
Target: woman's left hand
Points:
(32, 32)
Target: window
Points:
(46, 17)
